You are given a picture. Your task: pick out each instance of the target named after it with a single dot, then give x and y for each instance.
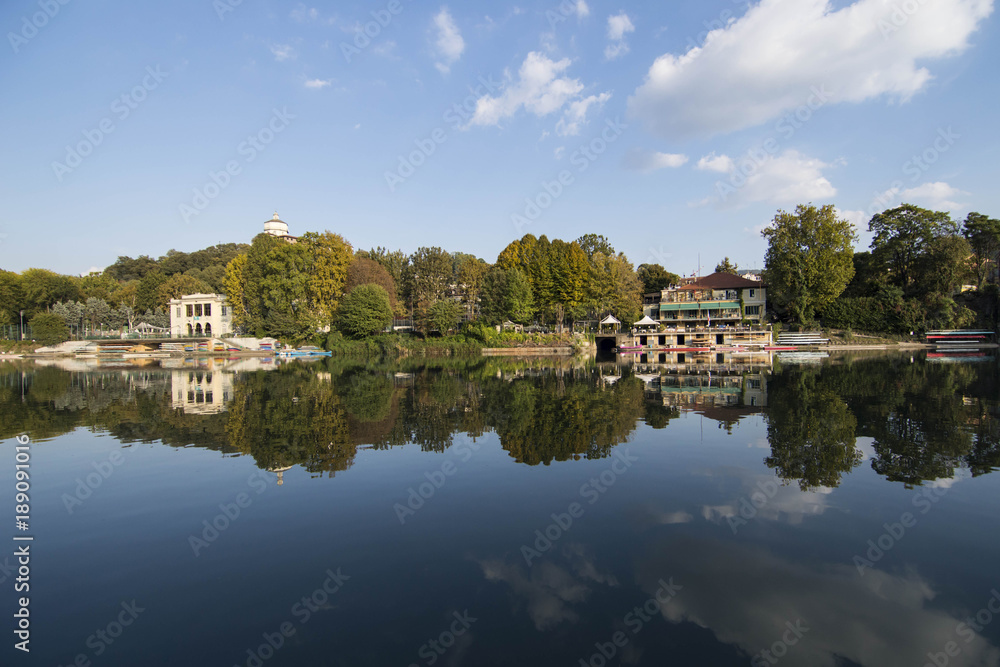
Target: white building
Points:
(200, 315)
(276, 227)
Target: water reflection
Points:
(925, 420)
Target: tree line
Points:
(124, 294)
(922, 270)
(291, 290)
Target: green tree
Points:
(983, 235)
(809, 260)
(363, 271)
(901, 247)
(42, 288)
(179, 285)
(11, 297)
(330, 257)
(97, 312)
(444, 316)
(470, 275)
(725, 266)
(394, 262)
(506, 296)
(48, 329)
(148, 291)
(99, 285)
(614, 287)
(365, 311)
(592, 244)
(655, 278)
(233, 286)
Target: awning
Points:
(699, 305)
(647, 321)
(610, 319)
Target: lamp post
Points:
(22, 325)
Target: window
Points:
(752, 310)
(197, 310)
(208, 310)
(223, 311)
(190, 310)
(753, 293)
(178, 311)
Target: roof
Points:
(724, 281)
(647, 320)
(610, 319)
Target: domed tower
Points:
(275, 227)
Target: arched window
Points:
(190, 330)
(208, 329)
(197, 329)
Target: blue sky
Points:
(675, 129)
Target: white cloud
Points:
(581, 9)
(765, 64)
(316, 84)
(302, 14)
(576, 114)
(779, 179)
(540, 89)
(449, 43)
(712, 162)
(939, 196)
(282, 52)
(647, 161)
(618, 26)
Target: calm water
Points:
(828, 512)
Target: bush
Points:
(365, 311)
(49, 329)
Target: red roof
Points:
(724, 281)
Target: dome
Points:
(275, 227)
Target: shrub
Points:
(49, 329)
(365, 311)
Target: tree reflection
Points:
(925, 419)
(811, 431)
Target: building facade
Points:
(200, 315)
(717, 299)
(279, 229)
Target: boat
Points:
(305, 351)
